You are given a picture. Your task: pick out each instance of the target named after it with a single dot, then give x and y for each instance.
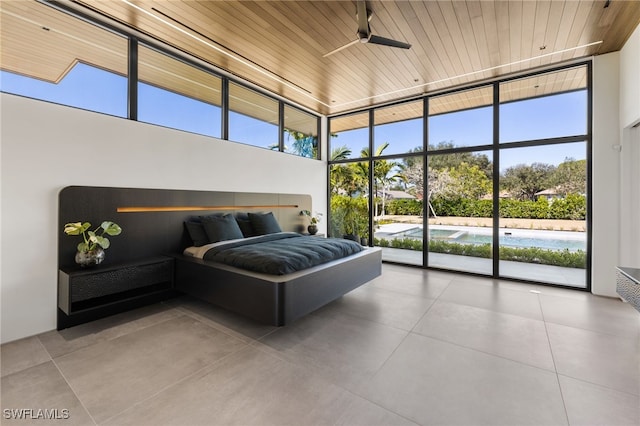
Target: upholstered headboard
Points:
(152, 220)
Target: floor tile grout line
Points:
(75, 393)
(603, 333)
(600, 385)
(110, 338)
(317, 314)
(482, 352)
(553, 359)
(198, 317)
(320, 377)
(356, 394)
(185, 378)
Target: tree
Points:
(340, 153)
(468, 181)
(412, 168)
(348, 179)
(524, 181)
(570, 177)
(303, 144)
(448, 161)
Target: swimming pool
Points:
(550, 240)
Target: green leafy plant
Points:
(95, 238)
(313, 219)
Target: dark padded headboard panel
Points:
(153, 233)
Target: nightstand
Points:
(86, 294)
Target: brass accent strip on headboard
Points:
(199, 208)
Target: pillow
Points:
(264, 223)
(221, 228)
(197, 233)
(246, 227)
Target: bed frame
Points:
(275, 299)
(153, 225)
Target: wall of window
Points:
(53, 56)
(502, 188)
(174, 94)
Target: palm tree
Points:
(340, 153)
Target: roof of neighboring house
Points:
(550, 191)
(396, 195)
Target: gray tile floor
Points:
(411, 347)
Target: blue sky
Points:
(551, 116)
(539, 118)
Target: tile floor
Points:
(411, 347)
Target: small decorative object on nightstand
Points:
(313, 222)
(94, 243)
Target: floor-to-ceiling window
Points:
(506, 169)
(398, 184)
(349, 214)
(543, 177)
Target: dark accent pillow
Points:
(221, 228)
(264, 223)
(246, 227)
(197, 233)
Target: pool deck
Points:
(487, 222)
(573, 277)
(392, 229)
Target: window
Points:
(174, 94)
(460, 206)
(349, 204)
(349, 136)
(539, 194)
(461, 119)
(55, 57)
(546, 106)
(543, 209)
(397, 210)
(253, 118)
(398, 129)
(300, 133)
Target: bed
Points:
(275, 278)
(163, 222)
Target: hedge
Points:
(565, 258)
(572, 207)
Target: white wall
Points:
(630, 155)
(605, 185)
(630, 80)
(45, 147)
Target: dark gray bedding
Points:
(281, 253)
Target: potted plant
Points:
(313, 221)
(94, 243)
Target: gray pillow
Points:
(221, 228)
(197, 233)
(264, 223)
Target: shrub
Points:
(572, 207)
(564, 258)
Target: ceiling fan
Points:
(364, 31)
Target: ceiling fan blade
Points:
(340, 48)
(363, 19)
(388, 42)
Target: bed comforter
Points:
(280, 253)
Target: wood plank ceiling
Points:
(279, 45)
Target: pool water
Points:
(467, 237)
